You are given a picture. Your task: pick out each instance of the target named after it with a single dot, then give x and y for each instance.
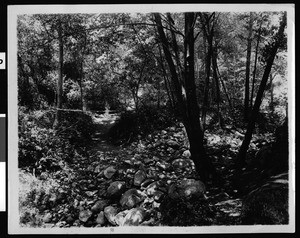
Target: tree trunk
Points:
(209, 38)
(269, 62)
(60, 76)
(255, 65)
(247, 76)
(186, 95)
(271, 95)
(218, 97)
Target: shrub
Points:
(140, 123)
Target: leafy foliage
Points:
(140, 123)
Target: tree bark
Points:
(271, 94)
(186, 95)
(218, 97)
(208, 33)
(269, 62)
(255, 64)
(247, 76)
(60, 76)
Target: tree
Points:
(60, 74)
(185, 89)
(247, 74)
(270, 53)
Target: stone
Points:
(131, 198)
(120, 217)
(134, 217)
(158, 196)
(100, 218)
(186, 154)
(173, 144)
(163, 165)
(139, 177)
(147, 182)
(115, 189)
(109, 172)
(190, 187)
(110, 213)
(99, 206)
(70, 220)
(152, 188)
(187, 188)
(85, 215)
(47, 218)
(268, 204)
(182, 163)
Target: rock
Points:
(187, 188)
(134, 217)
(186, 154)
(268, 204)
(139, 177)
(70, 220)
(110, 213)
(97, 169)
(115, 189)
(120, 217)
(146, 183)
(85, 215)
(100, 218)
(109, 172)
(47, 218)
(99, 206)
(152, 188)
(163, 165)
(182, 163)
(158, 196)
(131, 198)
(173, 144)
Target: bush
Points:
(76, 126)
(182, 212)
(140, 123)
(43, 148)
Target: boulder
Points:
(268, 204)
(47, 218)
(134, 217)
(115, 189)
(152, 188)
(109, 172)
(186, 154)
(139, 177)
(182, 163)
(100, 218)
(99, 206)
(173, 144)
(85, 215)
(187, 188)
(131, 198)
(163, 165)
(119, 219)
(110, 213)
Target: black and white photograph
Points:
(154, 118)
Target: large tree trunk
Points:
(60, 76)
(247, 76)
(251, 124)
(218, 96)
(209, 39)
(186, 95)
(271, 95)
(255, 64)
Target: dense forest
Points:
(157, 119)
